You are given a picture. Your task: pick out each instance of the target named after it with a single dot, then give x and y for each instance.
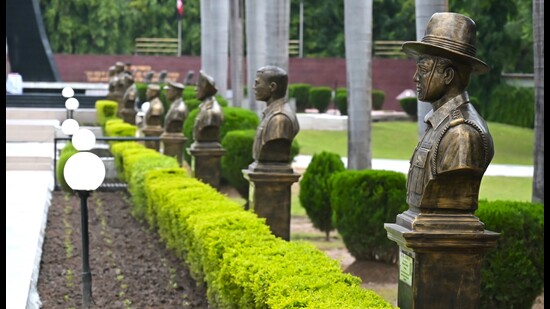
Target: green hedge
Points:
(341, 100)
(512, 105)
(105, 110)
(315, 189)
(67, 151)
(301, 93)
(320, 98)
(410, 106)
(512, 275)
(378, 97)
(362, 201)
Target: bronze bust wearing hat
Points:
(206, 130)
(153, 116)
(177, 112)
(449, 161)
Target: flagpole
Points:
(179, 37)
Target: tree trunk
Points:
(214, 41)
(255, 46)
(358, 42)
(538, 35)
(236, 52)
(424, 9)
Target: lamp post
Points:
(71, 104)
(84, 172)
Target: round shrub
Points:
(410, 106)
(315, 189)
(341, 101)
(238, 156)
(320, 97)
(301, 93)
(362, 201)
(378, 97)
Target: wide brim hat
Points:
(174, 84)
(452, 36)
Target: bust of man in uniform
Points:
(210, 117)
(279, 124)
(155, 113)
(175, 117)
(449, 161)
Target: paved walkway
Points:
(28, 196)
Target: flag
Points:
(179, 8)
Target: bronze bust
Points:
(278, 126)
(207, 124)
(155, 113)
(177, 112)
(448, 163)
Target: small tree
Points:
(315, 189)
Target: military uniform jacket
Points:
(208, 121)
(155, 113)
(278, 127)
(449, 161)
(175, 117)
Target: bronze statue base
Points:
(270, 197)
(172, 145)
(440, 268)
(206, 164)
(152, 131)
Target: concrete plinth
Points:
(440, 268)
(206, 162)
(152, 131)
(172, 145)
(270, 197)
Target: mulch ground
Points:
(130, 267)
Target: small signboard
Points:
(405, 268)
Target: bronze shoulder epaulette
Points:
(456, 118)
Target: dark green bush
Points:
(301, 93)
(192, 103)
(512, 105)
(189, 92)
(315, 189)
(320, 98)
(378, 97)
(410, 106)
(362, 201)
(238, 156)
(512, 275)
(341, 100)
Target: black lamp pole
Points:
(86, 274)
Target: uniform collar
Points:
(435, 118)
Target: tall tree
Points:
(424, 10)
(538, 30)
(236, 51)
(255, 47)
(358, 42)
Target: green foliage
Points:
(105, 110)
(189, 92)
(315, 189)
(192, 104)
(118, 149)
(410, 106)
(119, 128)
(65, 154)
(512, 105)
(378, 97)
(362, 201)
(301, 93)
(320, 97)
(341, 100)
(512, 274)
(238, 156)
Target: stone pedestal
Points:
(206, 162)
(152, 131)
(172, 145)
(270, 196)
(440, 259)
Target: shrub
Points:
(512, 105)
(410, 106)
(65, 154)
(301, 93)
(320, 98)
(512, 275)
(378, 97)
(362, 201)
(238, 155)
(341, 100)
(105, 110)
(315, 189)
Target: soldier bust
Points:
(177, 113)
(155, 113)
(206, 130)
(449, 161)
(278, 126)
